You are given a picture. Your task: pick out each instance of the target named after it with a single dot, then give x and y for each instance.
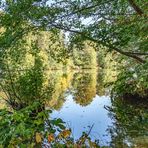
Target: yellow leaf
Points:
(65, 134)
(51, 138)
(38, 137)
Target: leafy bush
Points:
(32, 127)
(27, 126)
(132, 80)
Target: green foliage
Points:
(32, 127)
(85, 57)
(116, 25)
(130, 122)
(19, 128)
(119, 26)
(132, 80)
(23, 87)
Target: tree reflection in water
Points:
(130, 118)
(60, 82)
(130, 123)
(84, 85)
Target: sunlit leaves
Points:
(133, 80)
(64, 134)
(19, 128)
(51, 138)
(38, 138)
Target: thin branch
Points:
(4, 90)
(136, 7)
(12, 84)
(84, 137)
(138, 53)
(129, 54)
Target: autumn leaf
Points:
(38, 137)
(51, 138)
(64, 134)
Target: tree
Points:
(118, 24)
(114, 24)
(84, 86)
(84, 57)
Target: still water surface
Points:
(80, 99)
(80, 118)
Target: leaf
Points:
(51, 138)
(38, 137)
(64, 134)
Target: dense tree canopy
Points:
(36, 35)
(120, 25)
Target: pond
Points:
(80, 100)
(81, 118)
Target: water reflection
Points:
(84, 87)
(80, 118)
(60, 82)
(79, 98)
(130, 123)
(75, 100)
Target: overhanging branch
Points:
(136, 7)
(129, 54)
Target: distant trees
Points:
(85, 57)
(84, 86)
(120, 26)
